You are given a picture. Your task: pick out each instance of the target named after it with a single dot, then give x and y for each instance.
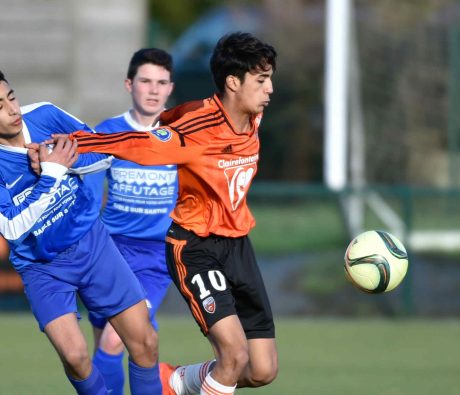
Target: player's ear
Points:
(232, 82)
(171, 88)
(129, 84)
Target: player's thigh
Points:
(97, 333)
(263, 358)
(227, 337)
(134, 327)
(110, 341)
(66, 336)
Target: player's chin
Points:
(265, 104)
(260, 109)
(152, 109)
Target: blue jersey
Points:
(140, 198)
(41, 216)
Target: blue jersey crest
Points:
(162, 134)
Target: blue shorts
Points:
(147, 260)
(93, 268)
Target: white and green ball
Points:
(376, 261)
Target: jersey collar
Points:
(136, 125)
(255, 119)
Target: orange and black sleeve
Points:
(158, 147)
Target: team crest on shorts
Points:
(162, 134)
(209, 305)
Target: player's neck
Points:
(240, 119)
(145, 120)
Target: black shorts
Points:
(219, 277)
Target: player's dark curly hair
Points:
(155, 56)
(2, 77)
(238, 53)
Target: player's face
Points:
(254, 92)
(10, 115)
(150, 89)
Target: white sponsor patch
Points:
(238, 183)
(144, 176)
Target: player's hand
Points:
(55, 137)
(32, 153)
(64, 152)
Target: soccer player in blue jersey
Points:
(139, 201)
(60, 247)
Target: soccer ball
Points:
(375, 261)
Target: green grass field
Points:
(318, 357)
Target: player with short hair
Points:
(140, 199)
(60, 248)
(215, 143)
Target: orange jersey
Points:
(216, 164)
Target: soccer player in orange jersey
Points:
(215, 143)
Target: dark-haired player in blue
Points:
(60, 248)
(139, 201)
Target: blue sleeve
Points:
(90, 163)
(16, 222)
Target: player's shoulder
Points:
(183, 113)
(38, 107)
(113, 124)
(43, 113)
(47, 112)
